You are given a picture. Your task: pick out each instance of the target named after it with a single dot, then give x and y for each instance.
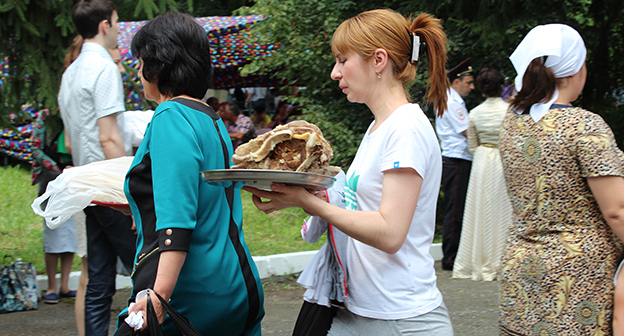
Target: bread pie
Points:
(297, 146)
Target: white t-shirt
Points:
(451, 125)
(258, 93)
(395, 286)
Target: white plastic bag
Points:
(77, 187)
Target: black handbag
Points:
(183, 325)
(315, 319)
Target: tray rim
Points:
(111, 204)
(326, 181)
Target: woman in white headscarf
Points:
(564, 174)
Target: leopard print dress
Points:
(558, 267)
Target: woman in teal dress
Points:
(190, 250)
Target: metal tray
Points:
(262, 179)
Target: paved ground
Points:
(473, 307)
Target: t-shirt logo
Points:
(350, 190)
(396, 165)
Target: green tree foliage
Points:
(34, 34)
(303, 29)
(486, 30)
(137, 10)
(218, 8)
(489, 31)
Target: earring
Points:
(378, 75)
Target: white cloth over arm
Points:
(135, 123)
(77, 187)
(322, 276)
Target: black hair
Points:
(87, 15)
(233, 108)
(175, 51)
(239, 95)
(490, 82)
(212, 100)
(280, 104)
(260, 109)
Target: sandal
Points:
(70, 294)
(50, 298)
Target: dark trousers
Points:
(455, 176)
(109, 235)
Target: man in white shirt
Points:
(452, 130)
(90, 97)
(256, 96)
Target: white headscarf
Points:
(566, 53)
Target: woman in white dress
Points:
(488, 209)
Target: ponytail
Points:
(538, 86)
(430, 30)
(73, 51)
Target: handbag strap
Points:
(184, 326)
(152, 320)
(250, 280)
(10, 257)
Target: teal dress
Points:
(218, 289)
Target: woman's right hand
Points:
(281, 197)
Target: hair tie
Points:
(417, 47)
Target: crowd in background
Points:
(249, 112)
(532, 186)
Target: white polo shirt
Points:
(91, 88)
(450, 126)
(258, 93)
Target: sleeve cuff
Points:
(173, 239)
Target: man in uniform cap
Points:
(452, 130)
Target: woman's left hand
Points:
(280, 197)
(141, 305)
(169, 265)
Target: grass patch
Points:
(278, 232)
(21, 231)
